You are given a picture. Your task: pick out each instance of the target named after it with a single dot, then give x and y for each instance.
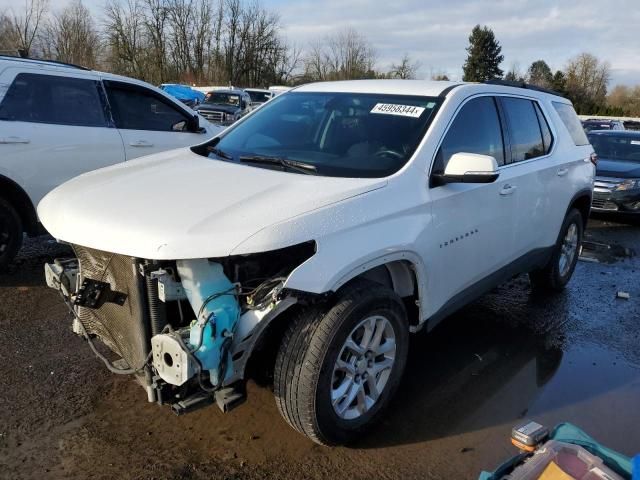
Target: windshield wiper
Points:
(294, 165)
(219, 153)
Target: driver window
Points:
(475, 129)
(137, 109)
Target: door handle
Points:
(562, 172)
(14, 140)
(141, 143)
(508, 190)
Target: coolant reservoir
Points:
(205, 282)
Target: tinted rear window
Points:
(525, 132)
(572, 122)
(53, 99)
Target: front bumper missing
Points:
(106, 295)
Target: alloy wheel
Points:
(568, 250)
(363, 367)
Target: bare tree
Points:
(625, 99)
(586, 82)
(125, 37)
(22, 26)
(406, 69)
(155, 25)
(514, 74)
(71, 36)
(346, 54)
(7, 46)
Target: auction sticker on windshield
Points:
(394, 109)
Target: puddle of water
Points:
(513, 356)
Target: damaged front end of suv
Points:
(184, 328)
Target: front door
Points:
(149, 122)
(472, 234)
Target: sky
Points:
(435, 33)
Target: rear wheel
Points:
(336, 371)
(10, 233)
(557, 273)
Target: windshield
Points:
(259, 97)
(612, 147)
(340, 134)
(222, 98)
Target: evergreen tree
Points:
(540, 74)
(484, 56)
(559, 82)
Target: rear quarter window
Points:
(568, 116)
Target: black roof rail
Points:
(528, 86)
(38, 60)
(446, 91)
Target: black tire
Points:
(11, 233)
(550, 278)
(303, 372)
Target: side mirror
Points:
(243, 104)
(469, 168)
(194, 124)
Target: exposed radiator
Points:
(121, 327)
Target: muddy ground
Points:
(511, 355)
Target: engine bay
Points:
(184, 328)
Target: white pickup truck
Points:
(329, 224)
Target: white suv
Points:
(329, 224)
(58, 121)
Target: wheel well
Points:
(583, 204)
(398, 275)
(19, 199)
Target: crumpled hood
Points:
(179, 205)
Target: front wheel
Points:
(10, 233)
(557, 273)
(337, 370)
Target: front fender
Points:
(344, 254)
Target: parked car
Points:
(328, 225)
(223, 107)
(58, 121)
(259, 96)
(617, 183)
(599, 124)
(279, 89)
(184, 93)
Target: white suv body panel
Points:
(40, 156)
(47, 155)
(453, 236)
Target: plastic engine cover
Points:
(201, 279)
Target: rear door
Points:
(148, 121)
(535, 169)
(473, 234)
(54, 127)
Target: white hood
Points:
(179, 205)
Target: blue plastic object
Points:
(568, 433)
(213, 298)
(182, 92)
